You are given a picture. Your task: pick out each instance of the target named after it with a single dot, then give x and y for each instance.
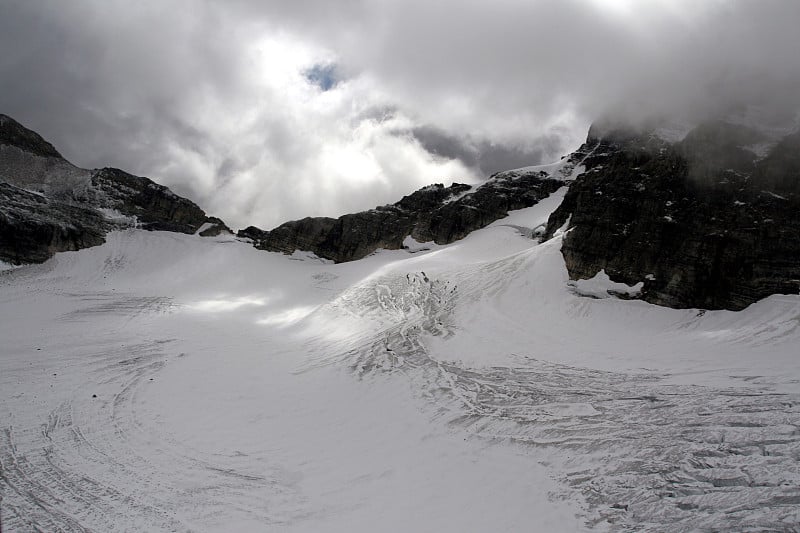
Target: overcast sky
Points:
(263, 111)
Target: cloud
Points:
(515, 69)
(216, 105)
(483, 155)
(262, 111)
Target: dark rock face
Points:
(711, 221)
(703, 222)
(503, 192)
(155, 206)
(434, 213)
(48, 205)
(33, 228)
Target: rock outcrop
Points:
(33, 227)
(711, 221)
(48, 205)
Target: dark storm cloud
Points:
(483, 155)
(215, 99)
(517, 58)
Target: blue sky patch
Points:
(323, 76)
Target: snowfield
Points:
(165, 382)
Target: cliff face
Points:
(710, 221)
(33, 227)
(48, 205)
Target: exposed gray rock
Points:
(703, 222)
(33, 227)
(52, 176)
(154, 206)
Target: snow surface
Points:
(465, 388)
(566, 169)
(204, 226)
(601, 286)
(414, 246)
(7, 266)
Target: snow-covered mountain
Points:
(694, 214)
(49, 205)
(166, 382)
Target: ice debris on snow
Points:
(601, 286)
(414, 246)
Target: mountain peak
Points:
(12, 133)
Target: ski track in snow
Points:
(47, 487)
(632, 450)
(97, 461)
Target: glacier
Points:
(167, 382)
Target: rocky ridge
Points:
(434, 213)
(48, 205)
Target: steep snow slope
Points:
(464, 388)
